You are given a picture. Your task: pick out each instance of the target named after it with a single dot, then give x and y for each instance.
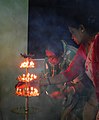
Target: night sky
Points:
(47, 21)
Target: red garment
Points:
(95, 64)
(77, 65)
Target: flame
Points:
(35, 77)
(27, 64)
(26, 77)
(32, 63)
(29, 91)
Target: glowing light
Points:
(35, 77)
(26, 78)
(31, 88)
(31, 63)
(29, 91)
(27, 64)
(26, 89)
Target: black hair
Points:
(56, 47)
(89, 21)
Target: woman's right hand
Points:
(57, 95)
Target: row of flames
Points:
(27, 78)
(27, 64)
(27, 89)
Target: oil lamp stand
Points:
(26, 107)
(26, 89)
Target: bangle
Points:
(73, 88)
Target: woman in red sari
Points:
(85, 64)
(84, 69)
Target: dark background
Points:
(47, 21)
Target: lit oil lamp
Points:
(26, 78)
(24, 87)
(27, 91)
(27, 64)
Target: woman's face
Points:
(77, 34)
(52, 58)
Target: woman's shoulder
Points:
(96, 48)
(96, 38)
(96, 43)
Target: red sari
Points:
(78, 64)
(95, 64)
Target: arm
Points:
(74, 69)
(83, 84)
(57, 79)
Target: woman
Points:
(58, 57)
(85, 33)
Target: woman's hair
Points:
(56, 47)
(90, 22)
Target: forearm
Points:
(57, 79)
(83, 85)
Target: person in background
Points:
(58, 57)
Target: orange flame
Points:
(26, 89)
(29, 91)
(27, 64)
(27, 77)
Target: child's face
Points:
(52, 58)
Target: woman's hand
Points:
(57, 95)
(97, 116)
(61, 94)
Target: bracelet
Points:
(73, 88)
